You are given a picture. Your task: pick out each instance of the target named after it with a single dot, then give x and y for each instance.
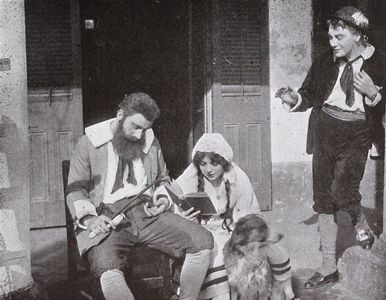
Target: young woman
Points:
(213, 171)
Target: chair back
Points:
(75, 263)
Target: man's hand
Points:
(98, 224)
(287, 95)
(154, 210)
(365, 85)
(190, 215)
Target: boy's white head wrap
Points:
(214, 142)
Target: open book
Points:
(200, 201)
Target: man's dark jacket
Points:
(318, 86)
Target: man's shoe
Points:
(318, 280)
(365, 238)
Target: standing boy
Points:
(345, 89)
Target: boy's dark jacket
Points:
(318, 86)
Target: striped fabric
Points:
(279, 261)
(214, 276)
(281, 271)
(216, 285)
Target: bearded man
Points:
(113, 162)
(346, 90)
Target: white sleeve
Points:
(294, 108)
(187, 181)
(377, 99)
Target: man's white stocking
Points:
(114, 286)
(193, 274)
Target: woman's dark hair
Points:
(215, 158)
(140, 103)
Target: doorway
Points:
(139, 46)
(204, 62)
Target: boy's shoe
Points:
(365, 237)
(318, 280)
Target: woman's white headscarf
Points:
(208, 142)
(214, 142)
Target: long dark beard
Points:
(126, 148)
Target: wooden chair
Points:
(148, 278)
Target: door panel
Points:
(55, 126)
(54, 102)
(241, 102)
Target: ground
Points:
(291, 215)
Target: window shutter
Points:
(240, 46)
(48, 42)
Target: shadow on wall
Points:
(14, 225)
(49, 263)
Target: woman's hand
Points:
(190, 215)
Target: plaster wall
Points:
(15, 266)
(290, 29)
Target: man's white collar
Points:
(100, 134)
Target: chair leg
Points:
(166, 272)
(85, 295)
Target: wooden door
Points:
(55, 126)
(54, 103)
(240, 89)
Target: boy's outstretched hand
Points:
(287, 95)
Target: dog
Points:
(248, 269)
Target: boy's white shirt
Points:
(337, 96)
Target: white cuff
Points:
(288, 108)
(377, 99)
(162, 191)
(80, 225)
(83, 208)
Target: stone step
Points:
(364, 272)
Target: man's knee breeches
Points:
(203, 240)
(107, 256)
(170, 234)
